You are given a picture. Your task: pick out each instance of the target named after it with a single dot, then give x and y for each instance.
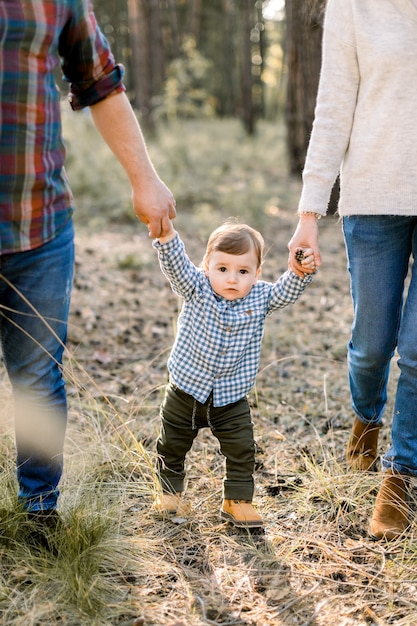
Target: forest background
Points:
(225, 92)
(245, 59)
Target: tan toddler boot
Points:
(362, 447)
(167, 503)
(390, 517)
(241, 513)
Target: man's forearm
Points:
(116, 122)
(153, 202)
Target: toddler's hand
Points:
(305, 257)
(168, 231)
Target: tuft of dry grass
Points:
(116, 563)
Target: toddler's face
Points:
(232, 276)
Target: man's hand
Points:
(154, 205)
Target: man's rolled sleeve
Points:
(81, 95)
(87, 61)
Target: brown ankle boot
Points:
(390, 517)
(362, 447)
(241, 513)
(167, 503)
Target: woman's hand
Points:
(305, 238)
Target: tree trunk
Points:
(304, 20)
(139, 21)
(228, 19)
(248, 117)
(194, 18)
(175, 34)
(303, 50)
(157, 74)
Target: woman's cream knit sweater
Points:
(366, 114)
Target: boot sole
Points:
(385, 537)
(391, 534)
(163, 513)
(241, 524)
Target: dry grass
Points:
(116, 563)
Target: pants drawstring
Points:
(209, 404)
(193, 421)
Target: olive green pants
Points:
(182, 416)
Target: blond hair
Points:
(234, 238)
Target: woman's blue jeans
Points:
(35, 289)
(379, 249)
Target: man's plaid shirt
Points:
(36, 36)
(218, 343)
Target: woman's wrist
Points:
(314, 214)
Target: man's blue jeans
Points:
(35, 289)
(379, 249)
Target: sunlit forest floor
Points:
(116, 563)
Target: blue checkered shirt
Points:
(218, 343)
